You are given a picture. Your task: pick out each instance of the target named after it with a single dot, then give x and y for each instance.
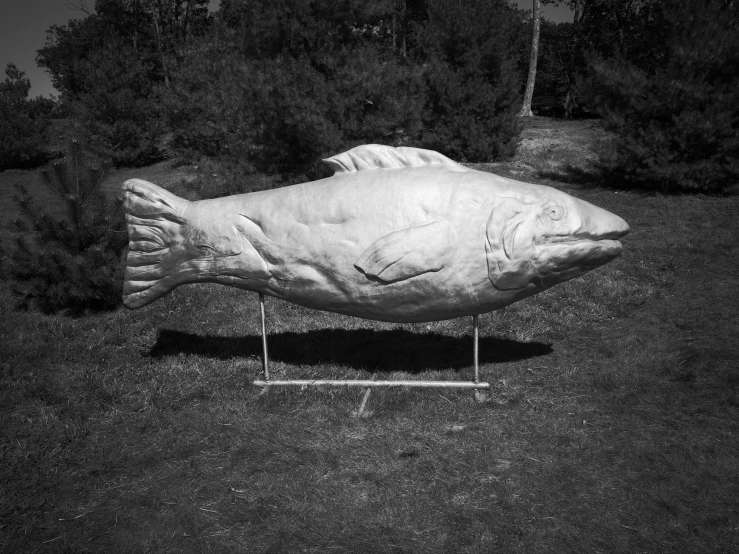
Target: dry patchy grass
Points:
(556, 149)
(611, 426)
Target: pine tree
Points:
(111, 66)
(119, 108)
(471, 79)
(70, 262)
(23, 122)
(276, 87)
(676, 112)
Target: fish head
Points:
(547, 237)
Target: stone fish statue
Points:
(396, 234)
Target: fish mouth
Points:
(567, 259)
(596, 252)
(594, 245)
(589, 236)
(603, 245)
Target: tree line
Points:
(268, 87)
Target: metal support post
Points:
(265, 358)
(479, 396)
(475, 346)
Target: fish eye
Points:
(555, 211)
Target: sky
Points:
(558, 14)
(23, 25)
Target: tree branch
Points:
(80, 6)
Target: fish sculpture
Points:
(396, 234)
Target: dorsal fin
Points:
(379, 156)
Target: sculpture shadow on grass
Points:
(375, 351)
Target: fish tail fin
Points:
(156, 234)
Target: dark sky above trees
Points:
(23, 28)
(558, 14)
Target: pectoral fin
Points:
(410, 252)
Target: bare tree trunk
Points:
(185, 25)
(394, 34)
(570, 101)
(155, 14)
(528, 95)
(403, 29)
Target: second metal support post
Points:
(479, 395)
(475, 342)
(265, 359)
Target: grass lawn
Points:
(612, 424)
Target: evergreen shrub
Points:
(284, 114)
(675, 113)
(69, 262)
(472, 81)
(274, 88)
